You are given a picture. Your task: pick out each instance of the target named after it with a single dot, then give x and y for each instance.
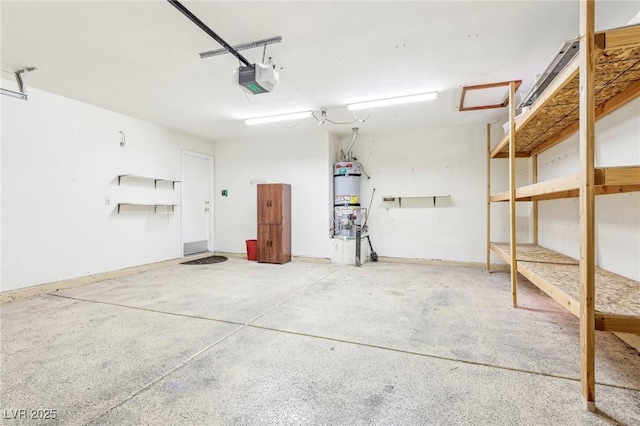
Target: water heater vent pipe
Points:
(352, 142)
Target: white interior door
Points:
(197, 205)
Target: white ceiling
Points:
(140, 58)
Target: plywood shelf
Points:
(617, 298)
(554, 115)
(607, 180)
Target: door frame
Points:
(209, 157)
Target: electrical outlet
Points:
(107, 201)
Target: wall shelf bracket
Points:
(21, 79)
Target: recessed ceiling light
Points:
(278, 118)
(393, 101)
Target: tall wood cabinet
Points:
(274, 223)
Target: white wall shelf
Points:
(393, 198)
(153, 178)
(170, 208)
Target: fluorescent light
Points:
(393, 101)
(278, 118)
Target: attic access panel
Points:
(486, 96)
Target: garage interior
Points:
(445, 230)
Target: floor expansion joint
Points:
(440, 357)
(155, 311)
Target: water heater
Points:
(347, 213)
(346, 184)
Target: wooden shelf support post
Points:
(534, 207)
(586, 201)
(488, 197)
(512, 193)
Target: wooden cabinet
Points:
(274, 223)
(270, 244)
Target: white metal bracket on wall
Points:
(21, 79)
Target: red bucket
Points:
(252, 249)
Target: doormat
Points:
(206, 260)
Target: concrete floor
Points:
(303, 343)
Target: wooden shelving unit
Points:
(603, 76)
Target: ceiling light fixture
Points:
(278, 118)
(393, 101)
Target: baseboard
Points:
(233, 255)
(22, 293)
(323, 260)
(293, 258)
(481, 265)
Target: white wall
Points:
(438, 161)
(60, 159)
(500, 211)
(442, 161)
(294, 156)
(617, 216)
